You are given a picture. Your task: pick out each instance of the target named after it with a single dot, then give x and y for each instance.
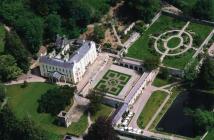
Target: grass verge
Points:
(175, 93)
(150, 108)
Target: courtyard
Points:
(112, 82)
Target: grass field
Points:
(210, 135)
(23, 101)
(175, 93)
(143, 48)
(200, 30)
(112, 82)
(104, 111)
(174, 42)
(159, 82)
(150, 108)
(180, 61)
(140, 49)
(2, 35)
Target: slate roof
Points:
(78, 55)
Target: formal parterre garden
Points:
(112, 82)
(24, 102)
(174, 38)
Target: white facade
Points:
(71, 68)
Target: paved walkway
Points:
(141, 102)
(160, 136)
(116, 35)
(203, 44)
(29, 78)
(157, 112)
(184, 28)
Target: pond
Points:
(175, 121)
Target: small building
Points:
(68, 60)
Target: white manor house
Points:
(68, 59)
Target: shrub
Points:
(55, 100)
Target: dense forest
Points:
(37, 22)
(201, 9)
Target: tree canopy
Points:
(151, 63)
(12, 128)
(206, 75)
(203, 120)
(55, 100)
(204, 9)
(53, 25)
(95, 102)
(143, 9)
(2, 92)
(14, 47)
(36, 21)
(101, 130)
(8, 68)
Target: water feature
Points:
(175, 121)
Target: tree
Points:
(31, 31)
(204, 9)
(8, 68)
(12, 128)
(14, 47)
(191, 71)
(71, 29)
(151, 63)
(52, 26)
(55, 100)
(95, 102)
(44, 7)
(144, 9)
(30, 131)
(80, 11)
(206, 75)
(164, 73)
(101, 130)
(99, 33)
(9, 124)
(24, 85)
(2, 92)
(203, 120)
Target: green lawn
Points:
(2, 35)
(141, 49)
(23, 101)
(150, 108)
(174, 42)
(175, 93)
(200, 30)
(159, 82)
(210, 135)
(104, 111)
(180, 61)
